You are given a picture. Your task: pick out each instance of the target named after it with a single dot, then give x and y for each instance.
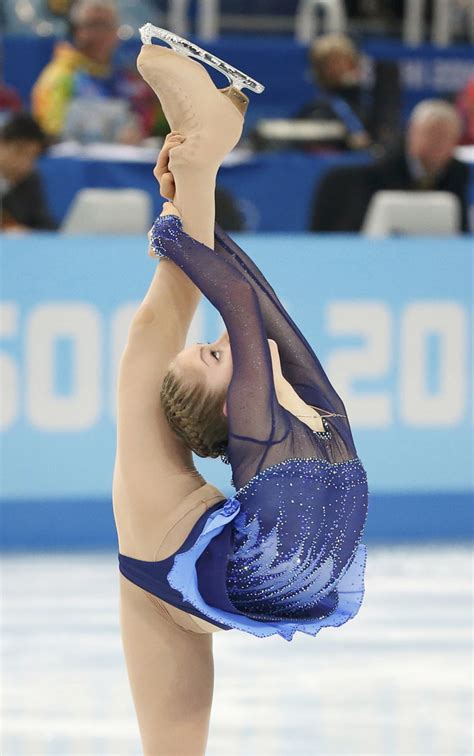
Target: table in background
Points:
(274, 190)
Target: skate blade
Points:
(238, 79)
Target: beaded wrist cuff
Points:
(165, 228)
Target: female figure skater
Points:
(284, 553)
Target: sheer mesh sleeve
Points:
(299, 363)
(256, 420)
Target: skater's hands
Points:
(161, 171)
(165, 178)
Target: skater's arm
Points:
(300, 365)
(252, 406)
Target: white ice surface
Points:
(394, 680)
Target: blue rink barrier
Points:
(389, 320)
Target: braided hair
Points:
(196, 416)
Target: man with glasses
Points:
(81, 94)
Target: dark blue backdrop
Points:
(278, 62)
(274, 190)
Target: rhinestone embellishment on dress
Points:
(166, 227)
(327, 433)
(288, 564)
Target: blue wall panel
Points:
(390, 321)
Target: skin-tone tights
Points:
(157, 493)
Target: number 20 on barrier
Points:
(384, 371)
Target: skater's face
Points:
(210, 363)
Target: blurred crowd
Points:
(82, 94)
(85, 96)
(424, 162)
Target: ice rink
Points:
(394, 680)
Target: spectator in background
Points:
(425, 162)
(10, 102)
(335, 65)
(465, 108)
(82, 95)
(23, 205)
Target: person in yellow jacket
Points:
(83, 68)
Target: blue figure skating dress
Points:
(284, 553)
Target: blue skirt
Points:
(296, 566)
(283, 555)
